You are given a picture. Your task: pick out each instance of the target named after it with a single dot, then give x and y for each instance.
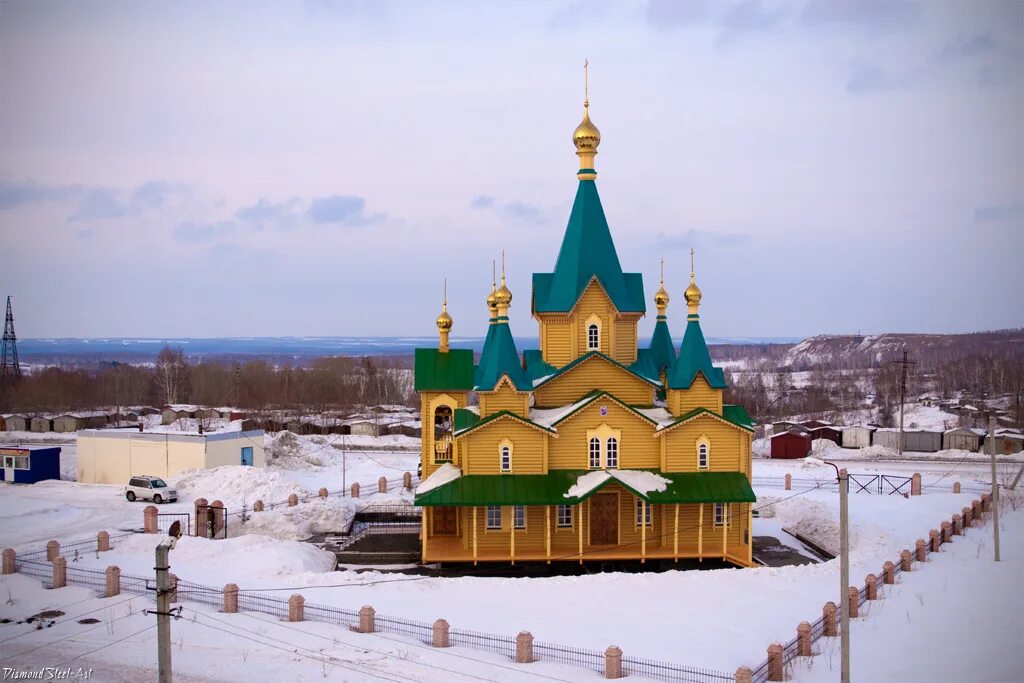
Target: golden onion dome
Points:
(492, 301)
(586, 137)
(502, 295)
(692, 294)
(444, 321)
(661, 297)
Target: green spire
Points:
(500, 357)
(663, 351)
(694, 358)
(587, 252)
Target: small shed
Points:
(815, 424)
(29, 464)
(784, 426)
(1007, 441)
(409, 428)
(303, 426)
(72, 422)
(827, 432)
(171, 413)
(857, 436)
(922, 440)
(887, 437)
(41, 424)
(963, 439)
(364, 428)
(791, 444)
(17, 423)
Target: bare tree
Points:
(172, 372)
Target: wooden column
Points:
(512, 532)
(580, 516)
(643, 530)
(675, 543)
(423, 532)
(725, 529)
(547, 531)
(700, 533)
(474, 536)
(750, 534)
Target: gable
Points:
(594, 372)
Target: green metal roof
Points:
(694, 358)
(550, 489)
(437, 371)
(587, 252)
(470, 426)
(587, 356)
(499, 357)
(464, 419)
(536, 368)
(732, 414)
(662, 350)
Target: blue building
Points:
(29, 464)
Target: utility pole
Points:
(995, 484)
(344, 467)
(163, 610)
(903, 394)
(844, 571)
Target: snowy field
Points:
(699, 618)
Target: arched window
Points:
(595, 453)
(702, 456)
(506, 458)
(593, 337)
(612, 455)
(443, 425)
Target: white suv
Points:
(149, 488)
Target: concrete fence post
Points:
(293, 500)
(871, 581)
(919, 550)
(828, 613)
(854, 597)
(296, 608)
(113, 581)
(172, 586)
(956, 487)
(150, 521)
(355, 490)
(231, 598)
(219, 517)
(933, 540)
(524, 647)
(440, 634)
(958, 525)
(803, 636)
(976, 510)
(322, 492)
(744, 675)
(789, 482)
(367, 619)
(915, 484)
(102, 542)
(52, 550)
(612, 661)
(946, 533)
(60, 572)
(9, 557)
(202, 510)
(382, 485)
(257, 506)
(986, 502)
(407, 481)
(966, 514)
(889, 570)
(905, 557)
(775, 668)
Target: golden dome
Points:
(492, 302)
(586, 137)
(502, 295)
(444, 321)
(661, 297)
(692, 294)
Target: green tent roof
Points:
(536, 368)
(464, 419)
(437, 371)
(499, 357)
(587, 252)
(550, 489)
(662, 350)
(694, 358)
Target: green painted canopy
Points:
(587, 252)
(694, 358)
(437, 371)
(550, 489)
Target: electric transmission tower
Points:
(10, 370)
(903, 393)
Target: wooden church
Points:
(589, 449)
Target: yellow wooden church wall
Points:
(625, 340)
(479, 448)
(556, 340)
(564, 337)
(638, 448)
(725, 454)
(505, 398)
(699, 395)
(595, 373)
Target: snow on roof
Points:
(868, 427)
(977, 431)
(798, 432)
(442, 475)
(549, 416)
(658, 414)
(638, 480)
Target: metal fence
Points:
(664, 671)
(880, 484)
(573, 656)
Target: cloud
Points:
(343, 210)
(264, 212)
(154, 194)
(965, 48)
(869, 15)
(482, 202)
(699, 238)
(203, 232)
(18, 194)
(751, 15)
(672, 13)
(99, 203)
(872, 78)
(998, 213)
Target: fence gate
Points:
(164, 520)
(890, 485)
(864, 483)
(211, 521)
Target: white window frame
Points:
(703, 456)
(519, 517)
(593, 337)
(594, 453)
(611, 447)
(563, 517)
(722, 514)
(493, 512)
(644, 515)
(17, 462)
(505, 457)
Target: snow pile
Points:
(441, 476)
(587, 483)
(237, 484)
(762, 448)
(319, 515)
(289, 452)
(814, 520)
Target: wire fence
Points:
(869, 484)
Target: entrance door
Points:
(445, 522)
(8, 468)
(247, 455)
(604, 519)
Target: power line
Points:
(73, 635)
(77, 616)
(103, 647)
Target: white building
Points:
(857, 436)
(114, 456)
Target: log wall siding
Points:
(699, 395)
(480, 448)
(638, 449)
(556, 340)
(729, 448)
(505, 398)
(564, 337)
(595, 373)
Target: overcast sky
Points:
(317, 168)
